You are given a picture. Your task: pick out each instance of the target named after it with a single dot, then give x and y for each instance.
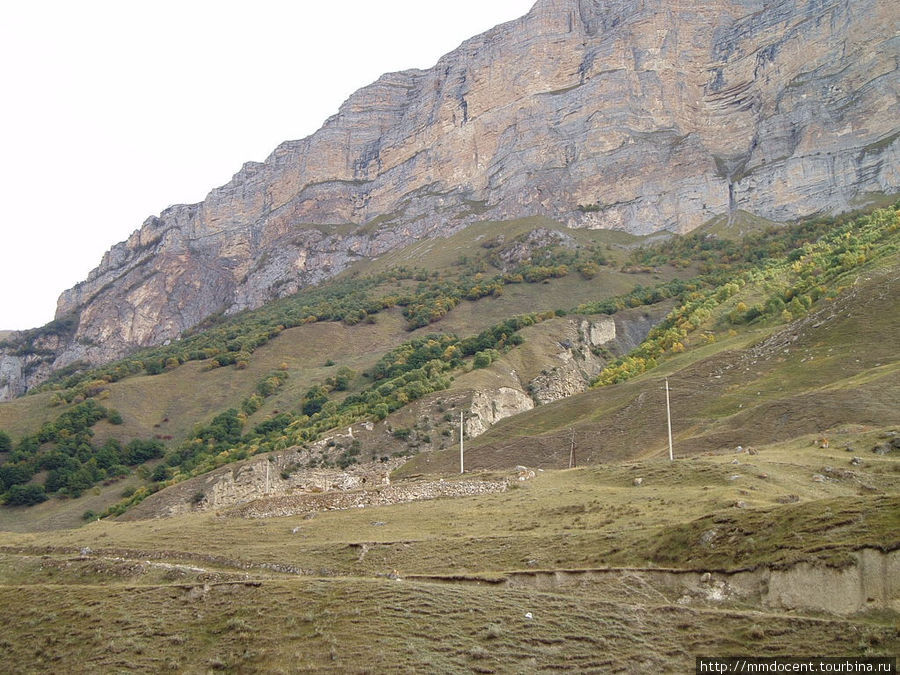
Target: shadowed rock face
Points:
(648, 114)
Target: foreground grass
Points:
(358, 625)
(294, 594)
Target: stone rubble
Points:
(289, 505)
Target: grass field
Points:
(337, 592)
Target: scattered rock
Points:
(523, 474)
(752, 451)
(740, 505)
(837, 473)
(378, 523)
(86, 550)
(708, 537)
(787, 499)
(309, 516)
(529, 615)
(637, 482)
(763, 476)
(818, 478)
(396, 493)
(856, 461)
(532, 563)
(705, 578)
(295, 530)
(881, 449)
(735, 476)
(739, 449)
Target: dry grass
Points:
(204, 592)
(586, 517)
(389, 626)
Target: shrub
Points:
(139, 451)
(25, 495)
(313, 401)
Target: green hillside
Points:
(763, 385)
(473, 583)
(167, 394)
(748, 315)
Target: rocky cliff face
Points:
(633, 114)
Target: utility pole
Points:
(572, 451)
(462, 468)
(669, 420)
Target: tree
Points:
(313, 401)
(14, 474)
(25, 495)
(225, 428)
(342, 378)
(139, 451)
(5, 442)
(482, 360)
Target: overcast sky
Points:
(111, 111)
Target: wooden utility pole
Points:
(669, 420)
(572, 451)
(462, 468)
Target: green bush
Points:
(25, 495)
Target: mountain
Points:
(637, 115)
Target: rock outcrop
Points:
(634, 114)
(587, 347)
(490, 406)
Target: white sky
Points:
(111, 111)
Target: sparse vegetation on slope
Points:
(816, 259)
(792, 268)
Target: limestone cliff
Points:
(634, 114)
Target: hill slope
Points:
(835, 368)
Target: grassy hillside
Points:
(250, 384)
(170, 393)
(762, 386)
(734, 384)
(447, 584)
